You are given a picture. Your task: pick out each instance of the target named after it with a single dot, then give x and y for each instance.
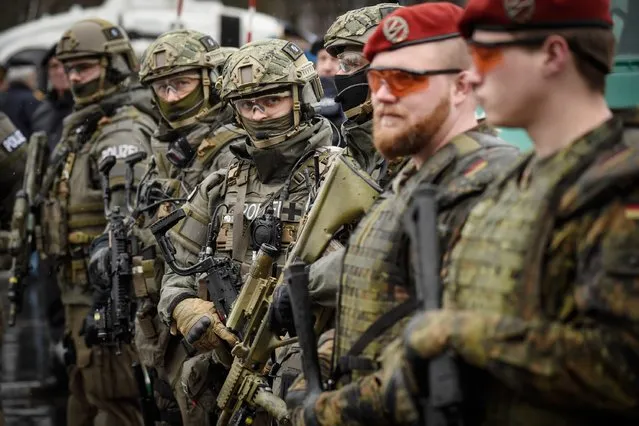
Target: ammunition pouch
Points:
(53, 228)
(151, 336)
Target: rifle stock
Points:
(245, 388)
(24, 228)
(420, 223)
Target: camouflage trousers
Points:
(101, 384)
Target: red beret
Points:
(512, 15)
(417, 24)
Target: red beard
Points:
(412, 139)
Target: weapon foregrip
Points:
(296, 277)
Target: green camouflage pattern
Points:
(181, 50)
(269, 64)
(374, 276)
(378, 250)
(95, 37)
(560, 345)
(353, 28)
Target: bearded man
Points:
(424, 109)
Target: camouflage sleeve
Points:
(324, 276)
(589, 355)
(128, 132)
(358, 403)
(188, 237)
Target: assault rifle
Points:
(443, 406)
(245, 388)
(114, 317)
(24, 229)
(221, 275)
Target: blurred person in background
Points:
(58, 102)
(326, 67)
(19, 101)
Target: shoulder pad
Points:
(613, 170)
(12, 141)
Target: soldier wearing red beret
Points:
(424, 109)
(541, 294)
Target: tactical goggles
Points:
(487, 55)
(272, 105)
(80, 67)
(401, 82)
(349, 62)
(181, 85)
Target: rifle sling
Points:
(352, 361)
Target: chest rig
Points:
(513, 253)
(259, 213)
(375, 298)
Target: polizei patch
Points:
(13, 141)
(119, 151)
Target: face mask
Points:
(183, 109)
(352, 90)
(268, 128)
(85, 90)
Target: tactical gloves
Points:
(199, 324)
(281, 319)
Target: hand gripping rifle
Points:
(244, 388)
(443, 407)
(114, 318)
(22, 237)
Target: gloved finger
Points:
(225, 334)
(198, 330)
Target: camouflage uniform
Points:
(376, 284)
(268, 171)
(208, 131)
(549, 337)
(110, 119)
(350, 31)
(12, 162)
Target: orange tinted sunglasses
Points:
(402, 82)
(486, 56)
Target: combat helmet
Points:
(352, 30)
(270, 66)
(101, 39)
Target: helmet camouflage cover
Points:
(95, 38)
(178, 51)
(269, 64)
(355, 26)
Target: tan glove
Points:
(198, 322)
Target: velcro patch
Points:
(112, 33)
(292, 50)
(14, 141)
(475, 167)
(209, 43)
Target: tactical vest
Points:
(374, 298)
(243, 188)
(500, 265)
(73, 213)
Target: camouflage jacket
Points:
(462, 170)
(556, 343)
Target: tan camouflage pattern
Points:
(95, 37)
(558, 343)
(181, 50)
(353, 28)
(269, 64)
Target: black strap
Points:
(352, 361)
